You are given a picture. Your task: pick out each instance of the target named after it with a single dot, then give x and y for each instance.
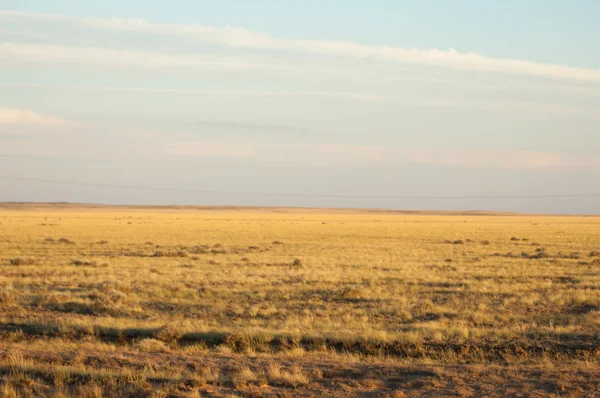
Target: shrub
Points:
(540, 254)
(168, 334)
(297, 263)
(80, 263)
(22, 261)
(162, 253)
(110, 286)
(207, 292)
(151, 345)
(6, 296)
(353, 293)
(455, 242)
(292, 378)
(243, 376)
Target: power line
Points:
(297, 195)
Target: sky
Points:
(435, 104)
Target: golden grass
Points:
(298, 285)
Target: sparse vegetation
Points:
(22, 261)
(211, 302)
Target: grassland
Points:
(286, 302)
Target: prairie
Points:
(175, 301)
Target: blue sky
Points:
(382, 98)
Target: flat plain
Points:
(185, 302)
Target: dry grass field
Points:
(188, 302)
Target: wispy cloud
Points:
(231, 125)
(214, 149)
(132, 58)
(378, 156)
(494, 158)
(458, 103)
(243, 38)
(15, 116)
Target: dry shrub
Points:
(107, 297)
(168, 333)
(297, 263)
(66, 241)
(395, 394)
(292, 378)
(16, 336)
(572, 255)
(109, 286)
(223, 349)
(207, 292)
(276, 242)
(80, 263)
(372, 383)
(595, 253)
(539, 254)
(206, 375)
(90, 391)
(8, 391)
(22, 261)
(422, 308)
(237, 342)
(163, 253)
(6, 296)
(151, 345)
(352, 292)
(243, 376)
(51, 301)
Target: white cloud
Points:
(14, 116)
(238, 37)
